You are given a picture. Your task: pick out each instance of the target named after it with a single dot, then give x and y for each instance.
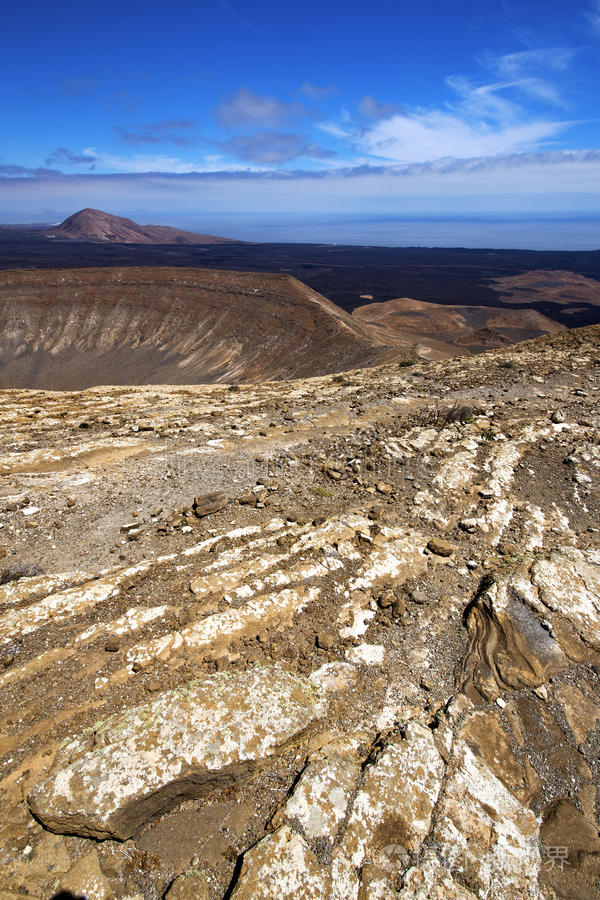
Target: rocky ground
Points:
(333, 638)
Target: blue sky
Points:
(226, 106)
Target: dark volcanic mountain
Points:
(95, 225)
(74, 328)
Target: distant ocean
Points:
(542, 233)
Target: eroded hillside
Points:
(74, 328)
(337, 638)
(438, 330)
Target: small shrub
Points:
(459, 414)
(321, 491)
(441, 417)
(19, 570)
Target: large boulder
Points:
(138, 764)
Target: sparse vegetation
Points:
(18, 570)
(440, 417)
(321, 491)
(459, 414)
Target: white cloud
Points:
(489, 119)
(502, 116)
(525, 61)
(483, 101)
(437, 135)
(336, 130)
(527, 71)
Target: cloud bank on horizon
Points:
(251, 108)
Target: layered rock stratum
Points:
(334, 638)
(73, 328)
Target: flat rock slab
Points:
(138, 764)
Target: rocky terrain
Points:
(96, 225)
(333, 638)
(73, 328)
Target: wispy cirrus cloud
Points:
(523, 62)
(489, 117)
(531, 71)
(235, 14)
(247, 109)
(481, 102)
(485, 119)
(175, 131)
(593, 14)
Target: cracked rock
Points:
(215, 730)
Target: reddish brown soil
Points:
(447, 329)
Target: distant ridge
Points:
(96, 225)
